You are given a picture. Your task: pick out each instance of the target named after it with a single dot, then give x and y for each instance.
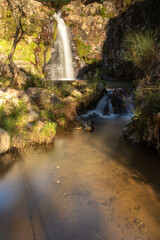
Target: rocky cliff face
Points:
(140, 17)
(88, 29)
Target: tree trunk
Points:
(18, 36)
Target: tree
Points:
(17, 9)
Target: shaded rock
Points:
(4, 141)
(4, 69)
(42, 97)
(158, 116)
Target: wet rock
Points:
(88, 125)
(118, 102)
(4, 141)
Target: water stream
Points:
(86, 186)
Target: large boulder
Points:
(4, 141)
(42, 97)
(11, 97)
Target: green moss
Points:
(24, 51)
(52, 12)
(69, 10)
(83, 49)
(102, 11)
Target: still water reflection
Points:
(86, 187)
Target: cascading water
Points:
(103, 108)
(113, 102)
(61, 61)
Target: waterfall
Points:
(101, 104)
(103, 108)
(62, 54)
(114, 102)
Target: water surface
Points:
(87, 186)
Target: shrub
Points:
(142, 50)
(45, 135)
(13, 120)
(47, 115)
(70, 111)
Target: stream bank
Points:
(31, 117)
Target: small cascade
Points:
(103, 108)
(61, 64)
(102, 104)
(112, 103)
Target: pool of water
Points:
(86, 186)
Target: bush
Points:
(146, 122)
(46, 135)
(142, 50)
(13, 120)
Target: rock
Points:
(5, 70)
(11, 98)
(80, 83)
(42, 97)
(75, 92)
(100, 87)
(4, 141)
(158, 116)
(32, 116)
(88, 125)
(69, 99)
